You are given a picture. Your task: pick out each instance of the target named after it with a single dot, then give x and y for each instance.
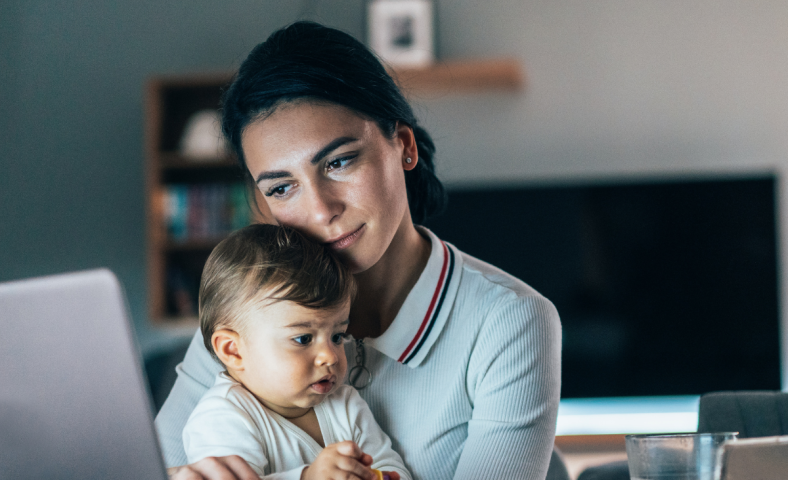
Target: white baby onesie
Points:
(229, 420)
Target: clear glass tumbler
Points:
(681, 456)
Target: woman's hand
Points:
(340, 461)
(231, 467)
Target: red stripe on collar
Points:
(435, 296)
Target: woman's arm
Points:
(195, 375)
(514, 380)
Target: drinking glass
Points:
(681, 456)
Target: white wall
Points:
(618, 87)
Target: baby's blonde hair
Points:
(263, 263)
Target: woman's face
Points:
(333, 175)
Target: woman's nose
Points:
(324, 204)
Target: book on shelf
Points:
(205, 211)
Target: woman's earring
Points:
(408, 160)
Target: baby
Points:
(274, 310)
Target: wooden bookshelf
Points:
(175, 263)
(170, 101)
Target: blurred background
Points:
(617, 92)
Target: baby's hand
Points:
(340, 461)
(386, 475)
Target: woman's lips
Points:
(347, 240)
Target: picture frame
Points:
(401, 32)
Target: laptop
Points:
(763, 458)
(73, 396)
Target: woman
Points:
(464, 359)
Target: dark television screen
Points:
(663, 288)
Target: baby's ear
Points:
(225, 345)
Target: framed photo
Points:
(401, 31)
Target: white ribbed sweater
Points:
(480, 403)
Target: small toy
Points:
(380, 475)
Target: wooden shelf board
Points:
(463, 75)
(176, 161)
(191, 245)
(448, 75)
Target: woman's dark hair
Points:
(309, 60)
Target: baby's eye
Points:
(338, 338)
(303, 339)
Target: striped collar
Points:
(426, 309)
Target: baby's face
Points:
(293, 357)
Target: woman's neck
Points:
(383, 288)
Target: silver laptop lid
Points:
(73, 399)
(763, 458)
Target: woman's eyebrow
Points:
(272, 175)
(333, 145)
